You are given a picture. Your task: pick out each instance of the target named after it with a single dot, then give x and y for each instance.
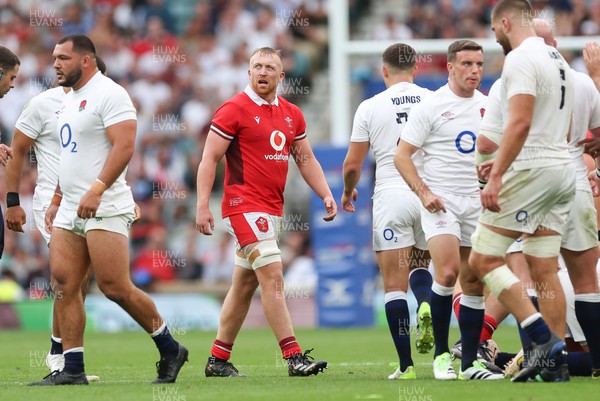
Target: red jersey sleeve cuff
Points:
(221, 133)
(301, 136)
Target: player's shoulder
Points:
(437, 97)
(480, 95)
(286, 104)
(57, 93)
(109, 84)
(495, 86)
(230, 109)
(583, 80)
(49, 98)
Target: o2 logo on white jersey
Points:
(277, 140)
(66, 138)
(461, 142)
(388, 235)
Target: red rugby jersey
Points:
(257, 159)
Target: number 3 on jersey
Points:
(66, 138)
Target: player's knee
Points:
(65, 285)
(247, 285)
(542, 247)
(487, 242)
(264, 253)
(113, 291)
(447, 277)
(500, 279)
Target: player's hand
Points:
(137, 213)
(205, 223)
(15, 218)
(49, 218)
(330, 207)
(489, 194)
(485, 169)
(432, 202)
(591, 146)
(88, 205)
(347, 204)
(594, 183)
(6, 153)
(591, 58)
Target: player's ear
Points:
(506, 24)
(281, 76)
(384, 71)
(414, 74)
(85, 60)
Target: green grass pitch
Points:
(358, 368)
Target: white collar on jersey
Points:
(259, 100)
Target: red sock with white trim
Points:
(456, 303)
(289, 347)
(489, 326)
(221, 350)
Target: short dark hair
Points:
(81, 44)
(504, 6)
(400, 57)
(460, 45)
(8, 60)
(101, 65)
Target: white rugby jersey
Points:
(492, 120)
(534, 68)
(380, 121)
(586, 115)
(38, 122)
(445, 127)
(82, 123)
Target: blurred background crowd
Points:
(180, 60)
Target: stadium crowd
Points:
(179, 60)
(178, 65)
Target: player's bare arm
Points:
(485, 149)
(520, 110)
(592, 147)
(214, 150)
(52, 209)
(15, 215)
(357, 153)
(122, 138)
(312, 172)
(405, 165)
(591, 57)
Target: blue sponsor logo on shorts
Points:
(521, 216)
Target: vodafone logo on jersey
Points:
(277, 141)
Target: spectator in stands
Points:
(10, 290)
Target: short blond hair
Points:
(268, 51)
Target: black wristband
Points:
(12, 199)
